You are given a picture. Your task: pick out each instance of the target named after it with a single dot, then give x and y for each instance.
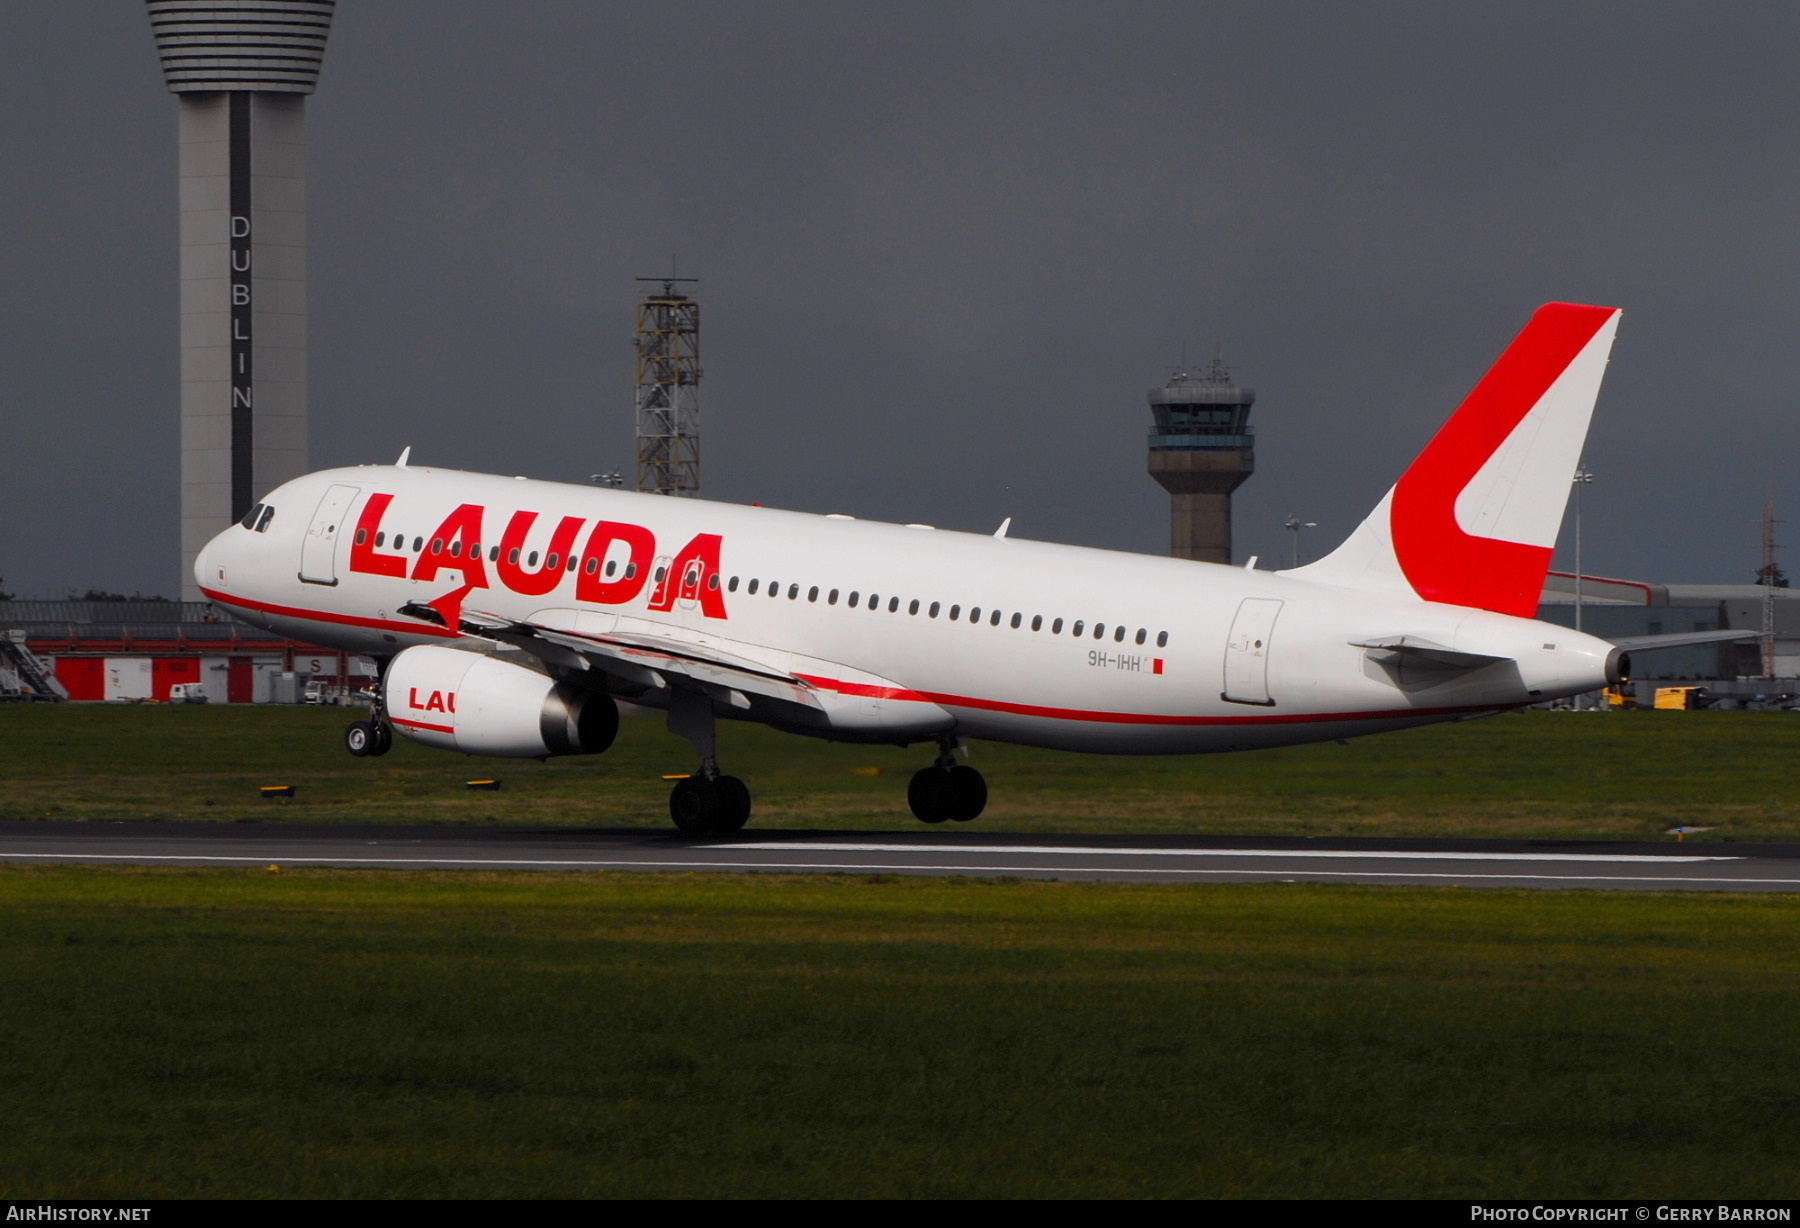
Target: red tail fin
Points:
(1474, 519)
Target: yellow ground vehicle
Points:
(1678, 698)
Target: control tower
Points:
(1201, 450)
(240, 71)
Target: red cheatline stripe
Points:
(324, 616)
(865, 691)
(421, 725)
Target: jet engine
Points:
(482, 705)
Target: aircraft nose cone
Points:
(209, 564)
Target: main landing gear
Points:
(947, 790)
(373, 737)
(708, 803)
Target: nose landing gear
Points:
(373, 737)
(947, 790)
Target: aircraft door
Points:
(318, 552)
(1247, 652)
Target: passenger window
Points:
(593, 565)
(753, 584)
(493, 554)
(513, 556)
(570, 565)
(418, 544)
(712, 582)
(994, 619)
(1016, 620)
(660, 572)
(1140, 635)
(955, 612)
(262, 526)
(531, 559)
(874, 600)
(631, 571)
(1099, 630)
(793, 592)
(812, 594)
(437, 545)
(932, 612)
(1162, 639)
(362, 536)
(853, 598)
(455, 550)
(612, 567)
(1076, 629)
(1119, 634)
(893, 605)
(832, 599)
(1037, 622)
(475, 550)
(914, 607)
(381, 539)
(1056, 627)
(732, 587)
(551, 562)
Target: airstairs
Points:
(33, 680)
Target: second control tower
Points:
(1201, 450)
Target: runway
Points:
(937, 851)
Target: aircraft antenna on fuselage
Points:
(404, 454)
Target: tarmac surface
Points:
(939, 851)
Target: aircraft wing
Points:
(1681, 639)
(637, 658)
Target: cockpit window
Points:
(249, 520)
(268, 514)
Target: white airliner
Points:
(510, 614)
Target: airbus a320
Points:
(508, 617)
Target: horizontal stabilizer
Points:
(1681, 639)
(1423, 651)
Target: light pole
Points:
(1582, 478)
(1294, 524)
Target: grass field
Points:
(358, 1033)
(1535, 774)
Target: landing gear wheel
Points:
(360, 739)
(735, 796)
(955, 794)
(703, 807)
(384, 739)
(928, 793)
(968, 789)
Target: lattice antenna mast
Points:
(668, 390)
(1770, 575)
(1770, 572)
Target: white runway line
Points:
(872, 867)
(1060, 850)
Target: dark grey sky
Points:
(945, 250)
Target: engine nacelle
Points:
(480, 705)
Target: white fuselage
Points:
(1093, 650)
